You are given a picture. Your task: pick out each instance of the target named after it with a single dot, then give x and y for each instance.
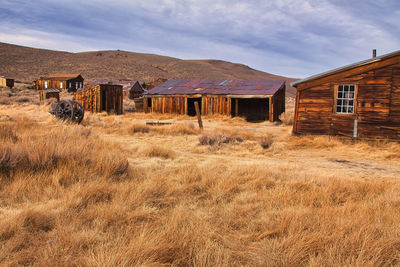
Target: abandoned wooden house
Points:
(49, 93)
(6, 82)
(130, 89)
(254, 100)
(101, 97)
(359, 100)
(62, 81)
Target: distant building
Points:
(61, 81)
(6, 82)
(358, 100)
(254, 100)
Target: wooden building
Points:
(254, 100)
(359, 100)
(62, 81)
(6, 82)
(49, 93)
(130, 89)
(101, 97)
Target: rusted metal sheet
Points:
(217, 87)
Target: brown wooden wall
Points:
(104, 97)
(52, 83)
(376, 107)
(211, 104)
(6, 82)
(46, 95)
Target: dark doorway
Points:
(252, 109)
(103, 100)
(190, 106)
(149, 103)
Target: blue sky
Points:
(295, 38)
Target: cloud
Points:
(287, 37)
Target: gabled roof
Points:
(61, 76)
(347, 67)
(217, 87)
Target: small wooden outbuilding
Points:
(359, 100)
(254, 100)
(61, 81)
(49, 93)
(101, 97)
(4, 81)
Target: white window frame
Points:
(345, 98)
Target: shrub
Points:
(216, 139)
(266, 141)
(158, 151)
(140, 128)
(287, 118)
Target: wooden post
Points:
(196, 106)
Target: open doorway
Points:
(191, 111)
(252, 109)
(103, 100)
(149, 103)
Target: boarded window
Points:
(345, 99)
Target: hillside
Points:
(26, 64)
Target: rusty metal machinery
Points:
(68, 110)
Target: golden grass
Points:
(287, 117)
(76, 195)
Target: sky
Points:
(294, 38)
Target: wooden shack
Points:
(359, 100)
(254, 100)
(135, 91)
(61, 81)
(101, 97)
(6, 82)
(49, 93)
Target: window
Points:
(61, 85)
(70, 85)
(45, 84)
(345, 99)
(76, 85)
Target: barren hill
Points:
(26, 64)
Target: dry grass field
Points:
(114, 191)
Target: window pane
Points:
(338, 108)
(345, 94)
(351, 103)
(345, 102)
(350, 109)
(340, 94)
(344, 109)
(351, 95)
(339, 102)
(346, 88)
(340, 88)
(352, 88)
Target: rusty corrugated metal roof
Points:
(217, 87)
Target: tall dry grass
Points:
(68, 197)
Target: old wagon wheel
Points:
(79, 111)
(64, 110)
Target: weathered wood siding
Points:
(6, 82)
(46, 95)
(70, 85)
(376, 106)
(278, 104)
(103, 97)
